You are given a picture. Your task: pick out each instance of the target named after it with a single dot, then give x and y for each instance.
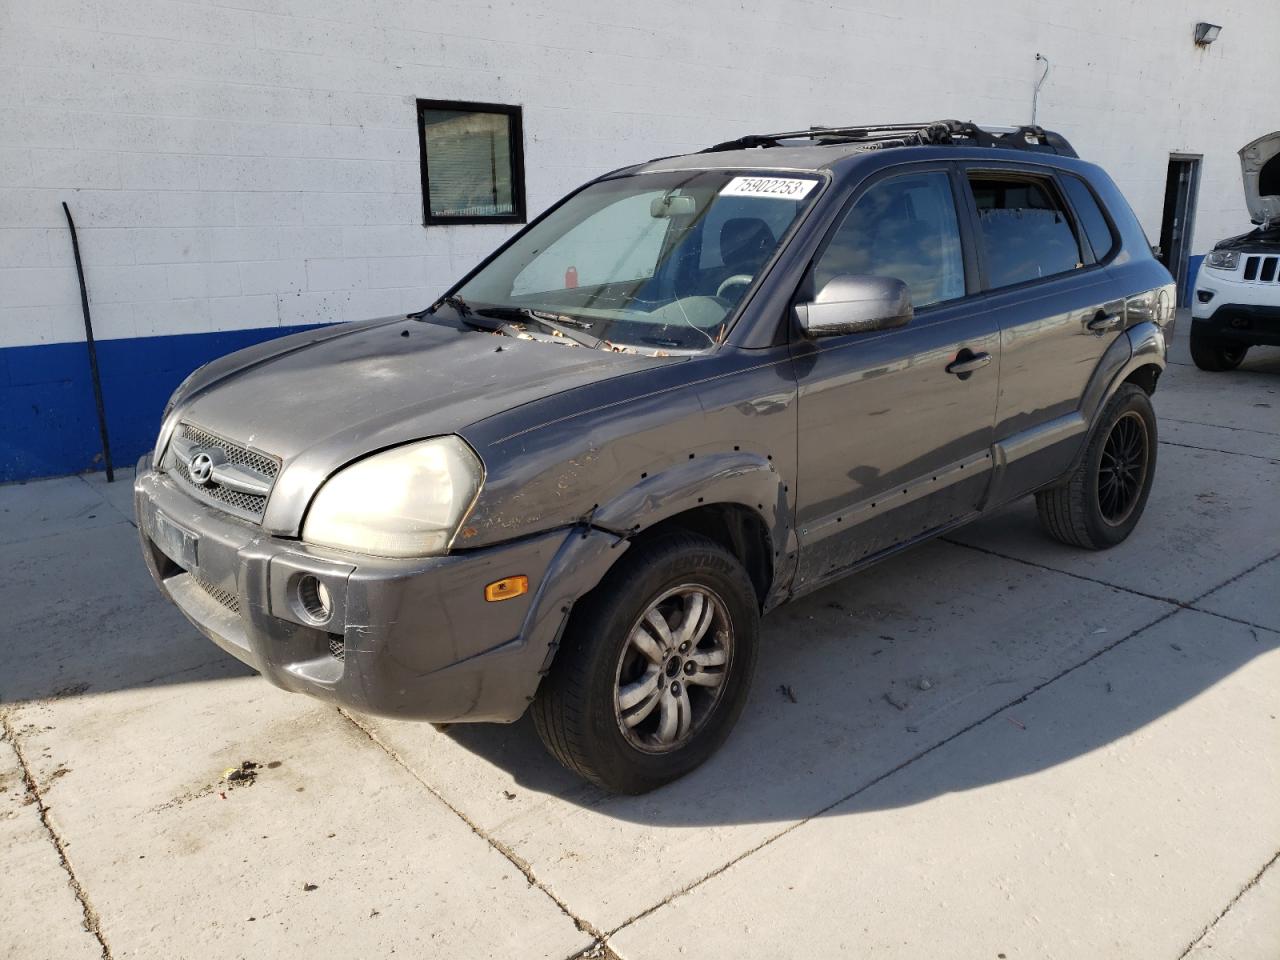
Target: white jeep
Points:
(1237, 291)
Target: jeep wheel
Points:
(1101, 502)
(1215, 355)
(655, 666)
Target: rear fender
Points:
(1142, 345)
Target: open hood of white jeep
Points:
(1260, 167)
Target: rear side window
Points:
(904, 228)
(1024, 230)
(1095, 224)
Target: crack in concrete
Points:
(92, 922)
(1253, 882)
(102, 494)
(600, 950)
(1181, 604)
(1219, 426)
(1176, 605)
(1229, 453)
(1021, 698)
(511, 856)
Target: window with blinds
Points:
(472, 162)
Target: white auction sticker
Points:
(780, 188)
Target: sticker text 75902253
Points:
(781, 188)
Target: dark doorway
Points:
(1181, 187)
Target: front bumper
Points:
(1247, 324)
(414, 639)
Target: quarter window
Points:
(1091, 218)
(904, 228)
(472, 162)
(1024, 229)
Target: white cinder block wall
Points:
(249, 164)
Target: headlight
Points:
(1223, 259)
(404, 502)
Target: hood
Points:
(1260, 168)
(1259, 240)
(329, 401)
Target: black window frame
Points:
(1111, 252)
(515, 132)
(1048, 177)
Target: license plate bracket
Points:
(176, 542)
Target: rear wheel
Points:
(655, 666)
(1103, 499)
(1216, 356)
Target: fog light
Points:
(1204, 296)
(314, 599)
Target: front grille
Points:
(1262, 269)
(337, 647)
(225, 598)
(247, 505)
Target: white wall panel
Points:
(255, 162)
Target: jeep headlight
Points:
(404, 502)
(1223, 259)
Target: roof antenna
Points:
(1035, 97)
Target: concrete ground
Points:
(991, 746)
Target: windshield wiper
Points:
(554, 323)
(505, 315)
(454, 301)
(471, 318)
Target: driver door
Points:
(895, 438)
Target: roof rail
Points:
(881, 136)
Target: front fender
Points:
(747, 479)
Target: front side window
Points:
(1023, 228)
(472, 162)
(655, 260)
(905, 228)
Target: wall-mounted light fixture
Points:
(1206, 33)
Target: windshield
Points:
(652, 261)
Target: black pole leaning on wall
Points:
(93, 349)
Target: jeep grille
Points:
(1261, 269)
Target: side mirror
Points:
(848, 304)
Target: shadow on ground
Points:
(789, 760)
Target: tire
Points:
(595, 712)
(1216, 356)
(1090, 509)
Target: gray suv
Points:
(692, 390)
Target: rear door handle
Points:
(967, 362)
(1103, 322)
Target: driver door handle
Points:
(965, 365)
(1103, 322)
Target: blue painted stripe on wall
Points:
(50, 425)
(1193, 267)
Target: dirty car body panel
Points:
(812, 457)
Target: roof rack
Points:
(881, 136)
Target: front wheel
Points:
(1216, 356)
(655, 666)
(1101, 502)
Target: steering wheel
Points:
(737, 280)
